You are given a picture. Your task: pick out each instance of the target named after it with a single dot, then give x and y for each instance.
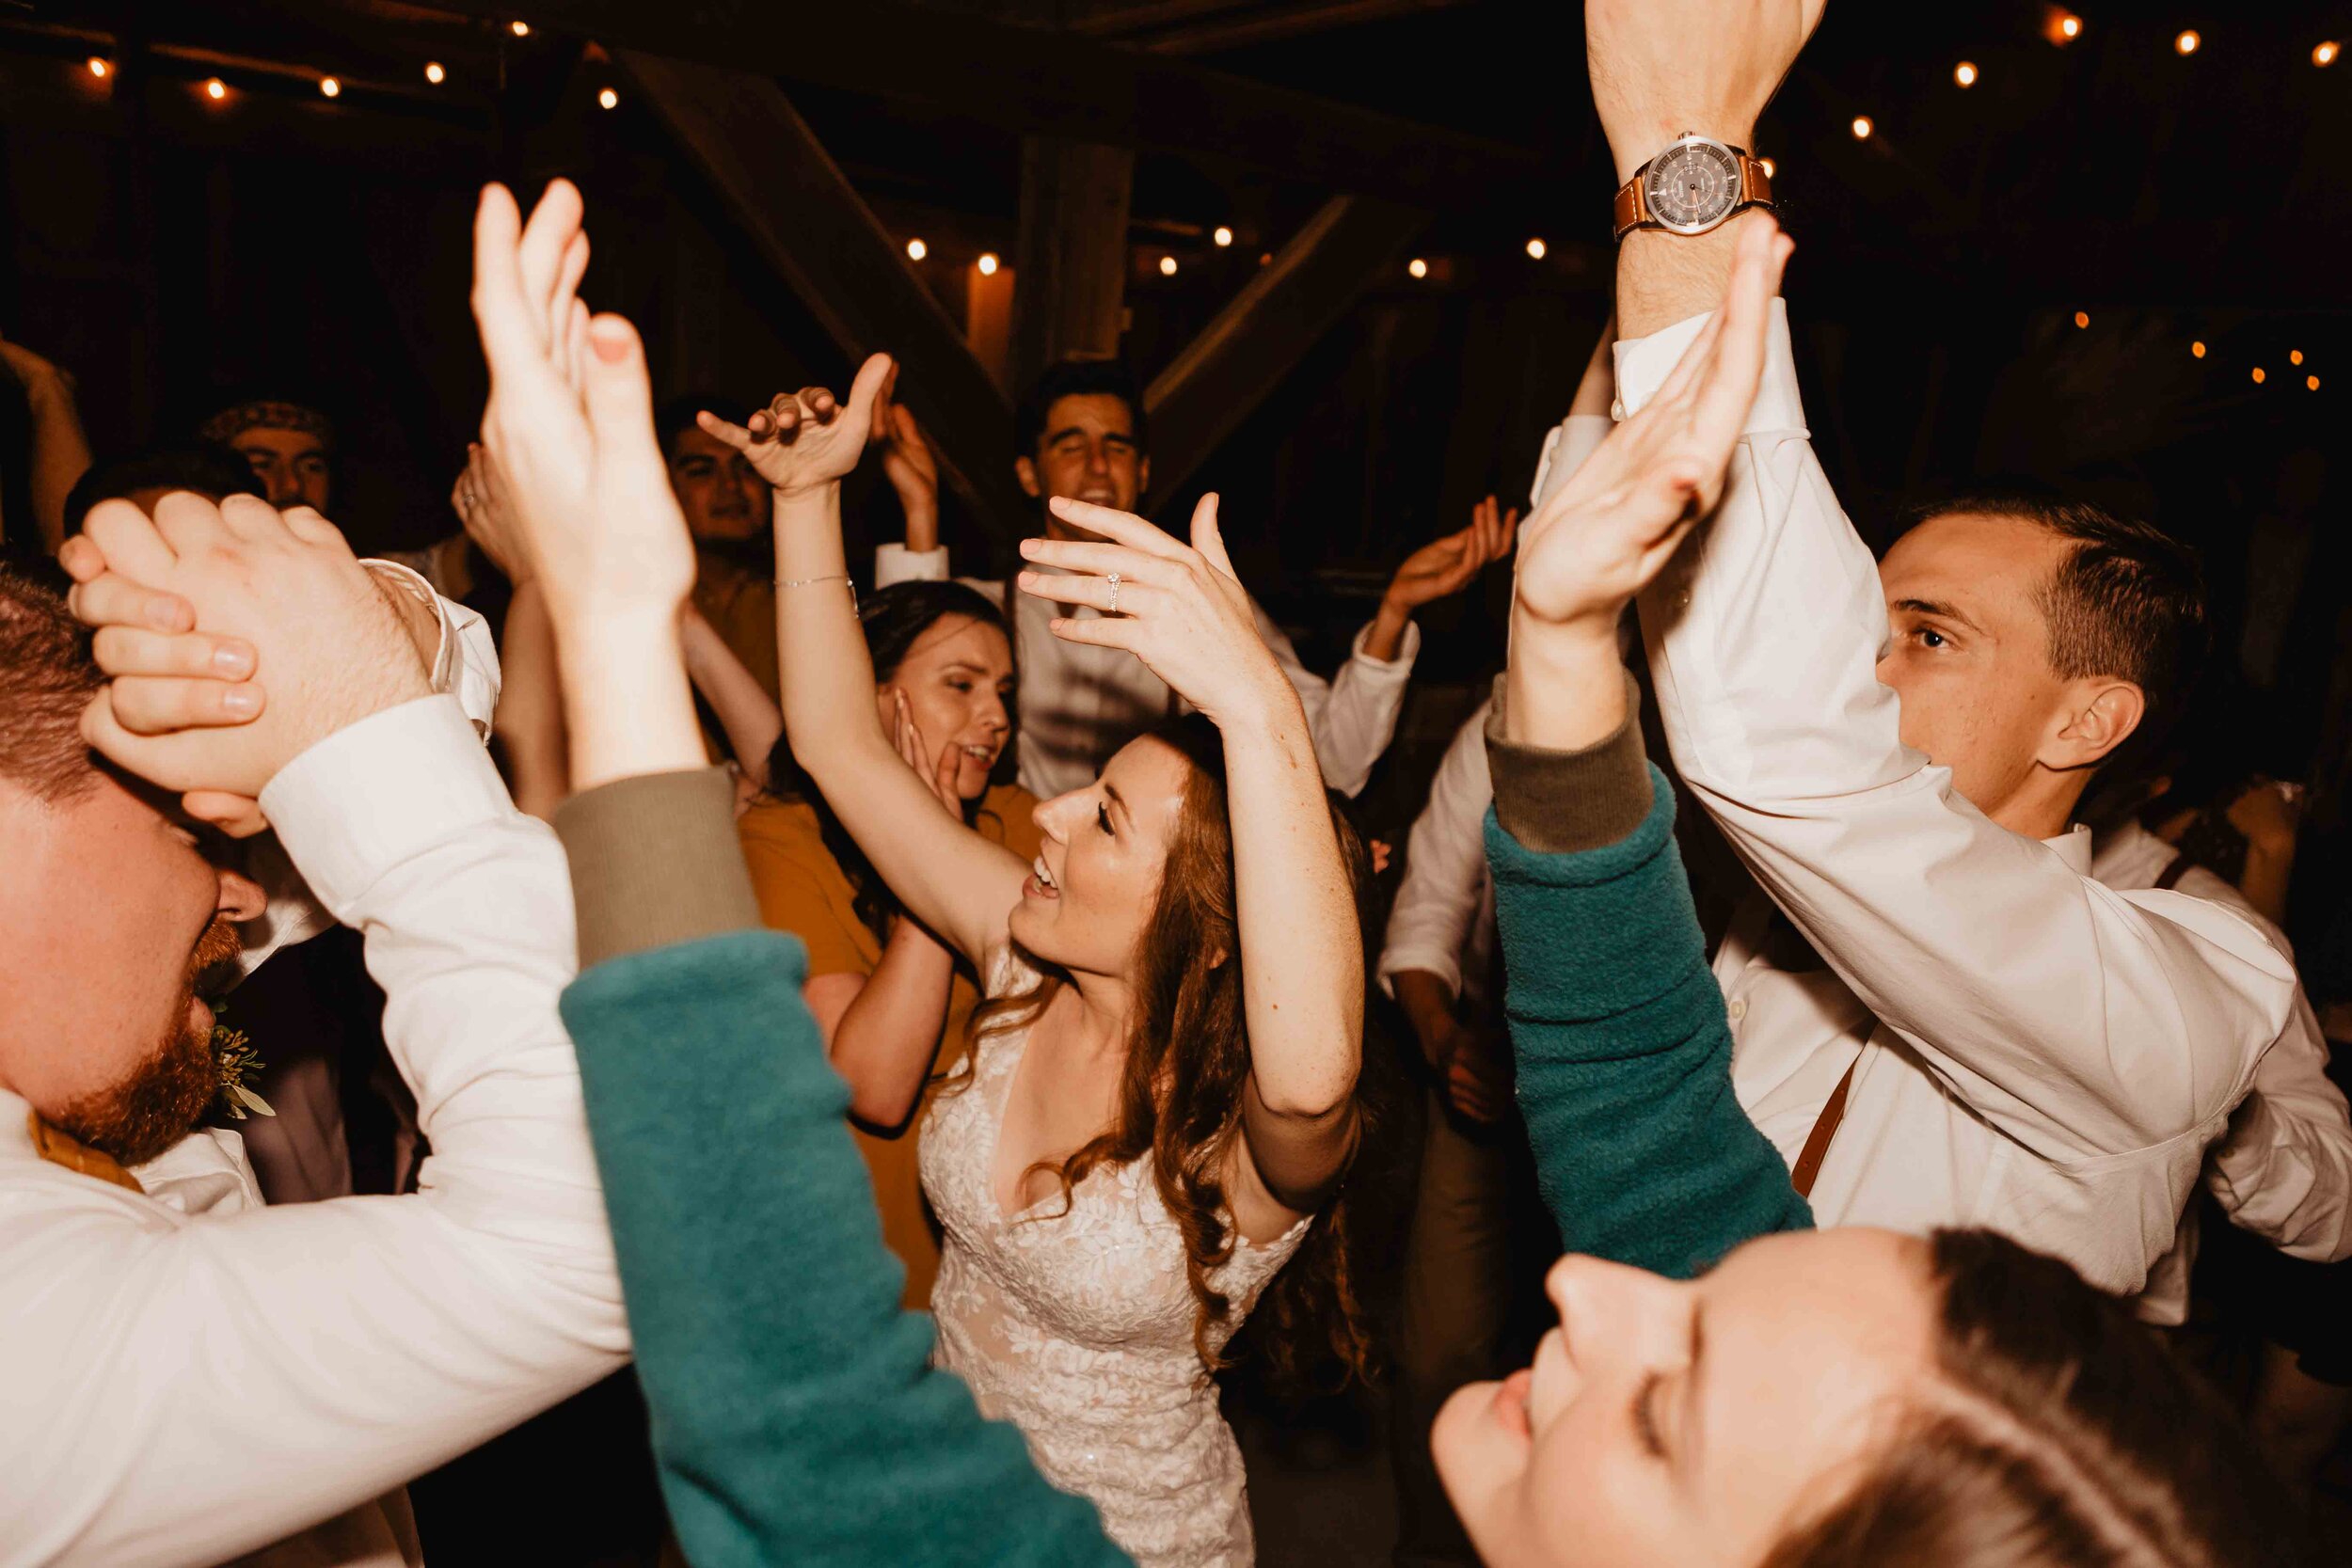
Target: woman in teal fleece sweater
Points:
(1729, 1418)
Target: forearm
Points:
(828, 684)
(752, 722)
(529, 722)
(1295, 904)
(1353, 716)
(2269, 869)
(60, 455)
(2283, 1170)
(886, 1040)
(1427, 1003)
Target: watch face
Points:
(1692, 186)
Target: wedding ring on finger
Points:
(1114, 581)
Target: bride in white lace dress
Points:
(1163, 1092)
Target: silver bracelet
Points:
(841, 577)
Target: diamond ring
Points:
(1114, 576)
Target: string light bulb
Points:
(1418, 267)
(99, 68)
(987, 263)
(916, 250)
(330, 88)
(2082, 318)
(520, 28)
(1862, 127)
(1167, 267)
(2189, 41)
(434, 73)
(216, 89)
(2070, 26)
(607, 98)
(2295, 356)
(2260, 377)
(1965, 73)
(2198, 349)
(1536, 248)
(2325, 54)
(2312, 382)
(1223, 236)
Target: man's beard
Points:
(159, 1101)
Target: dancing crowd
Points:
(918, 1026)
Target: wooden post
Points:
(1072, 256)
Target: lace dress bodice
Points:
(1079, 1328)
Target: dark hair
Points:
(206, 468)
(1187, 1069)
(2128, 601)
(47, 677)
(894, 620)
(1077, 378)
(2061, 1434)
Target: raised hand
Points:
(1663, 67)
(275, 594)
(570, 422)
(1451, 563)
(479, 498)
(1180, 610)
(805, 440)
(1620, 518)
(908, 461)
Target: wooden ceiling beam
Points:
(1038, 82)
(1241, 355)
(801, 216)
(1070, 265)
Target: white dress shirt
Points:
(1079, 704)
(190, 1375)
(2032, 1052)
(2284, 1171)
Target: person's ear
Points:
(1026, 471)
(2101, 715)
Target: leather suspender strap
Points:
(2174, 869)
(1817, 1142)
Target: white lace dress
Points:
(1079, 1328)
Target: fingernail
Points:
(1029, 546)
(243, 702)
(231, 660)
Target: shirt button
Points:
(1739, 1009)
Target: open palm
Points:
(1620, 518)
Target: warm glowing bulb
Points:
(520, 30)
(330, 88)
(2189, 41)
(2259, 377)
(2295, 356)
(434, 73)
(1536, 248)
(1965, 73)
(99, 68)
(1862, 127)
(2071, 25)
(216, 89)
(1770, 169)
(1167, 267)
(1223, 236)
(608, 99)
(2082, 318)
(1418, 267)
(987, 263)
(916, 250)
(2327, 52)
(2198, 349)
(2313, 382)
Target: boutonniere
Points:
(233, 1057)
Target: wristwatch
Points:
(1692, 186)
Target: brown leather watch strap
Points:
(1629, 213)
(1755, 183)
(1817, 1142)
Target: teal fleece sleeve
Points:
(795, 1413)
(1642, 1151)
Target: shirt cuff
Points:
(897, 563)
(1571, 441)
(465, 661)
(1407, 650)
(1644, 364)
(379, 792)
(655, 861)
(1566, 802)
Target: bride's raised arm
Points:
(946, 876)
(1184, 612)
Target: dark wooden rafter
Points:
(802, 216)
(1245, 351)
(1070, 267)
(1035, 81)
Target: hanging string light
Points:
(99, 68)
(2198, 349)
(520, 28)
(1223, 236)
(987, 263)
(608, 99)
(2325, 54)
(2082, 318)
(916, 250)
(1418, 267)
(434, 73)
(216, 89)
(2189, 41)
(2260, 377)
(330, 88)
(1965, 73)
(1862, 127)
(1536, 248)
(1167, 267)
